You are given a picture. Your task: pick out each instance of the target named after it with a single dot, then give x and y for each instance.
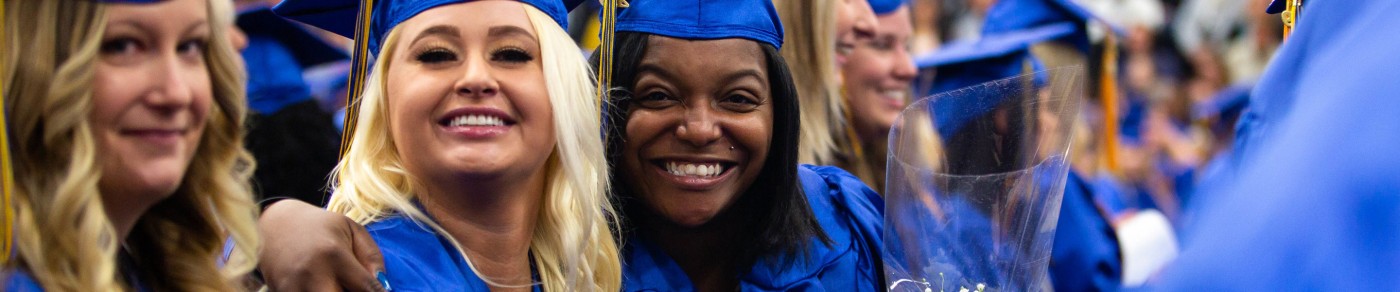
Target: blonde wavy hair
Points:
(62, 234)
(810, 31)
(574, 247)
(826, 136)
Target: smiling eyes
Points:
(735, 102)
(509, 55)
(124, 49)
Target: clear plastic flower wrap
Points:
(974, 182)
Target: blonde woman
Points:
(476, 162)
(826, 35)
(819, 34)
(125, 123)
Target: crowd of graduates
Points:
(662, 145)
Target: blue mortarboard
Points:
(129, 1)
(1016, 15)
(883, 7)
(338, 16)
(1277, 6)
(277, 53)
(308, 49)
(702, 20)
(274, 78)
(990, 58)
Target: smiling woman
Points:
(477, 157)
(714, 199)
(127, 121)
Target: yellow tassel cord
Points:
(608, 29)
(360, 61)
(1290, 16)
(1108, 97)
(7, 174)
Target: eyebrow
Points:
(509, 30)
(654, 69)
(139, 26)
(726, 79)
(734, 77)
(442, 30)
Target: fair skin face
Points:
(470, 116)
(855, 21)
(151, 101)
(878, 78)
(698, 134)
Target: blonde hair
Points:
(827, 137)
(810, 31)
(573, 244)
(62, 234)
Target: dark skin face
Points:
(697, 136)
(698, 130)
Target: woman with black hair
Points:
(704, 131)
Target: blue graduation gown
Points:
(848, 211)
(17, 281)
(1313, 206)
(1085, 253)
(418, 259)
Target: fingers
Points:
(309, 249)
(366, 254)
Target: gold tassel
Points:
(358, 72)
(1108, 97)
(608, 29)
(1290, 14)
(7, 173)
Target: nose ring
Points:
(731, 148)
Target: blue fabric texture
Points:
(1085, 255)
(18, 281)
(849, 212)
(704, 19)
(1312, 203)
(418, 259)
(882, 7)
(274, 76)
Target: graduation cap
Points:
(373, 20)
(990, 58)
(277, 53)
(755, 20)
(704, 20)
(1016, 15)
(1013, 15)
(882, 7)
(307, 48)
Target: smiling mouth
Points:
(694, 169)
(694, 175)
(895, 97)
(474, 121)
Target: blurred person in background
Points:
(877, 82)
(126, 120)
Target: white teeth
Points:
(895, 94)
(476, 120)
(690, 169)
